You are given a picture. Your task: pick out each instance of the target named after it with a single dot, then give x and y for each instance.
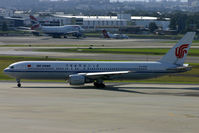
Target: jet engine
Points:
(77, 79)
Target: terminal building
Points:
(11, 23)
(121, 22)
(111, 23)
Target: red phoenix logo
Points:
(180, 51)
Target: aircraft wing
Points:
(103, 75)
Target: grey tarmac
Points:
(121, 107)
(123, 57)
(96, 42)
(99, 42)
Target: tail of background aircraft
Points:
(178, 53)
(105, 33)
(35, 23)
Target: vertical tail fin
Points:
(35, 23)
(105, 33)
(178, 53)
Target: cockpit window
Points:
(11, 67)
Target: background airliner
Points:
(115, 36)
(81, 72)
(57, 31)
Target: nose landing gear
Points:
(18, 83)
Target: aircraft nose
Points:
(6, 70)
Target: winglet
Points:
(105, 33)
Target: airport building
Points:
(126, 22)
(112, 23)
(11, 23)
(145, 21)
(93, 23)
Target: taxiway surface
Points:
(95, 56)
(99, 42)
(127, 108)
(96, 42)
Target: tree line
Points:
(184, 22)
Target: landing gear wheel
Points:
(102, 86)
(99, 85)
(19, 85)
(96, 84)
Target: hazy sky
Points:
(135, 0)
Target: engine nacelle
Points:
(77, 79)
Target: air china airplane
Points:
(57, 31)
(81, 72)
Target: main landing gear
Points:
(18, 83)
(99, 84)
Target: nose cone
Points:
(6, 71)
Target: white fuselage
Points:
(117, 36)
(62, 69)
(61, 29)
